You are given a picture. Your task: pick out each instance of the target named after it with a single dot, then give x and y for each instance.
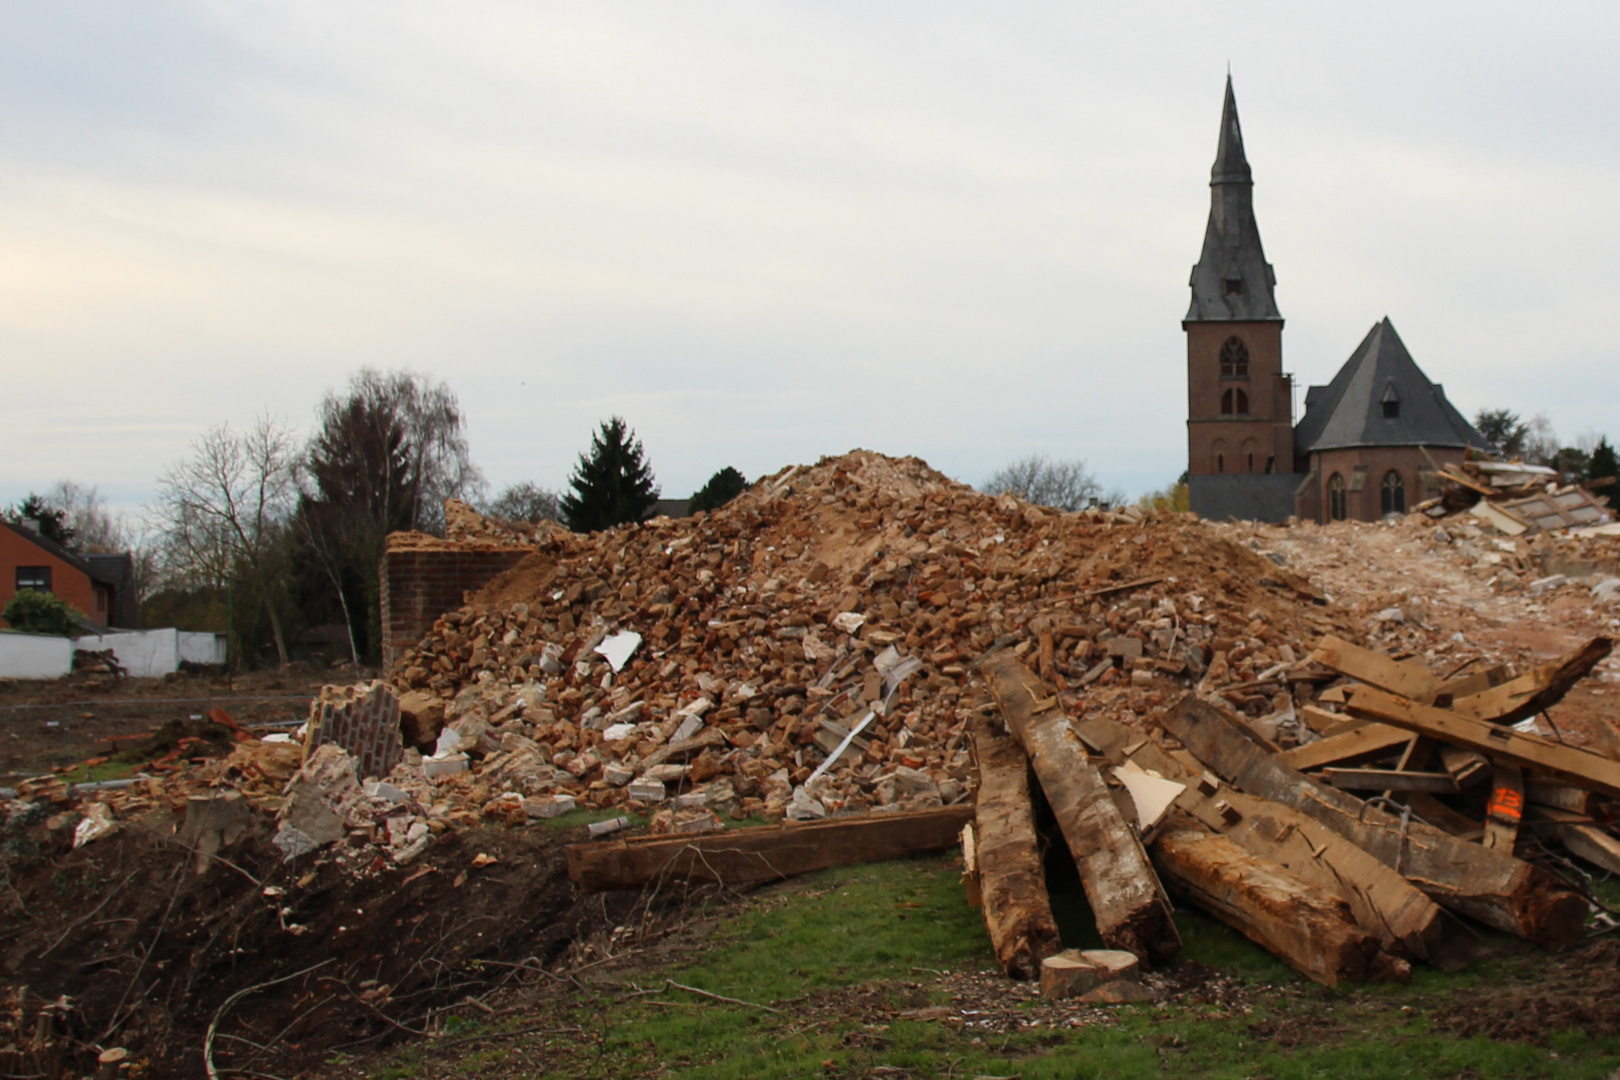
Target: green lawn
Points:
(839, 952)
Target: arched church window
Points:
(1234, 402)
(1392, 494)
(1220, 462)
(1336, 498)
(1234, 358)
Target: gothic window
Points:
(1251, 463)
(1336, 498)
(1392, 494)
(1234, 359)
(1220, 462)
(1234, 402)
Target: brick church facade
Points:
(1369, 442)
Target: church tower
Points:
(1239, 401)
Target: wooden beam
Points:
(1579, 767)
(1389, 780)
(765, 853)
(1491, 886)
(1364, 741)
(1308, 928)
(1384, 904)
(1126, 898)
(1505, 810)
(1012, 883)
(1407, 678)
(1536, 690)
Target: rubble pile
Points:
(716, 663)
(1515, 498)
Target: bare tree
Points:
(526, 501)
(386, 454)
(225, 512)
(1063, 485)
(98, 530)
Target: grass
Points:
(840, 951)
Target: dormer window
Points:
(1234, 358)
(1234, 286)
(1392, 403)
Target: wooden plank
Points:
(1389, 780)
(1126, 898)
(1407, 678)
(1491, 886)
(764, 853)
(1592, 844)
(1505, 810)
(1536, 690)
(1579, 767)
(1360, 742)
(1464, 685)
(1563, 796)
(1466, 767)
(1308, 928)
(1012, 883)
(1384, 904)
(1434, 812)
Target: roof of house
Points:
(1232, 250)
(1350, 411)
(115, 570)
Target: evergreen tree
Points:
(612, 484)
(722, 487)
(51, 521)
(1602, 462)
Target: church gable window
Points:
(1336, 498)
(1392, 403)
(1234, 358)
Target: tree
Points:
(35, 611)
(225, 512)
(1602, 463)
(525, 501)
(1503, 429)
(1063, 485)
(100, 531)
(612, 484)
(721, 488)
(1573, 464)
(384, 457)
(51, 521)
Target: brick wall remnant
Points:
(363, 720)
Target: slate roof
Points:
(1349, 411)
(1232, 249)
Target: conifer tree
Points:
(1602, 463)
(722, 487)
(612, 484)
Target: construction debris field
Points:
(838, 654)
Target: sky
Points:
(763, 232)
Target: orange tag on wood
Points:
(1506, 804)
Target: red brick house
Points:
(1369, 441)
(101, 587)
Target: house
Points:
(101, 587)
(1370, 441)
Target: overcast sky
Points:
(764, 232)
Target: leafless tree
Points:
(100, 530)
(1063, 485)
(225, 511)
(525, 501)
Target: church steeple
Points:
(1232, 281)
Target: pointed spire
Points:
(1232, 281)
(1231, 166)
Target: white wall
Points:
(202, 647)
(35, 656)
(144, 654)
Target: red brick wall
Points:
(1217, 444)
(422, 581)
(1364, 505)
(67, 581)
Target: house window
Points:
(1234, 359)
(34, 577)
(1392, 494)
(1336, 498)
(1235, 402)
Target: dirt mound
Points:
(1574, 991)
(149, 952)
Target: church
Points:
(1370, 441)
